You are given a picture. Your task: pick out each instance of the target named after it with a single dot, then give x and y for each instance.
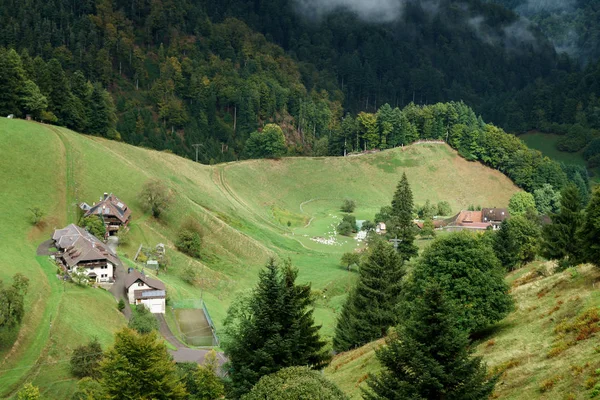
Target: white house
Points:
(143, 290)
(380, 228)
(79, 250)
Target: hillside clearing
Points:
(243, 209)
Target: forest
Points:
(211, 73)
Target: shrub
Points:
(189, 242)
(189, 274)
(142, 320)
(295, 383)
(548, 384)
(121, 305)
(36, 215)
(348, 206)
(155, 197)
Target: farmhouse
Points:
(113, 212)
(380, 228)
(487, 218)
(79, 250)
(143, 290)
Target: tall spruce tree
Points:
(371, 308)
(429, 357)
(590, 233)
(402, 224)
(272, 329)
(561, 238)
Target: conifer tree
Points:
(402, 219)
(560, 239)
(590, 234)
(429, 357)
(272, 329)
(139, 366)
(12, 79)
(371, 307)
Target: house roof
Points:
(149, 294)
(135, 276)
(495, 214)
(78, 245)
(110, 206)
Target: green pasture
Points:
(243, 209)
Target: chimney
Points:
(105, 195)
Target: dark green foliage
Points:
(269, 143)
(368, 226)
(384, 214)
(12, 81)
(429, 356)
(12, 308)
(467, 270)
(517, 241)
(189, 242)
(36, 215)
(371, 307)
(271, 329)
(142, 320)
(401, 221)
(85, 360)
(443, 208)
(295, 383)
(348, 206)
(428, 210)
(139, 366)
(560, 239)
(121, 305)
(590, 232)
(344, 228)
(350, 219)
(94, 225)
(202, 381)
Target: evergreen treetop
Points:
(590, 233)
(371, 307)
(271, 329)
(429, 356)
(402, 225)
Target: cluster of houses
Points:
(80, 251)
(486, 218)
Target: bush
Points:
(295, 383)
(351, 219)
(155, 197)
(85, 360)
(348, 206)
(189, 242)
(121, 305)
(270, 143)
(36, 215)
(189, 274)
(142, 320)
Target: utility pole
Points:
(396, 241)
(196, 146)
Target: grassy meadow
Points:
(243, 209)
(546, 143)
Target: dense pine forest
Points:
(166, 74)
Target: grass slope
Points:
(546, 349)
(243, 209)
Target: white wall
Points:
(139, 285)
(103, 274)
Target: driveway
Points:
(118, 287)
(44, 248)
(184, 353)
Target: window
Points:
(140, 283)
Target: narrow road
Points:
(118, 287)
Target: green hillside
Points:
(243, 208)
(546, 348)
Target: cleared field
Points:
(243, 209)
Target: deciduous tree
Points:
(155, 197)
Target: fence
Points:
(194, 322)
